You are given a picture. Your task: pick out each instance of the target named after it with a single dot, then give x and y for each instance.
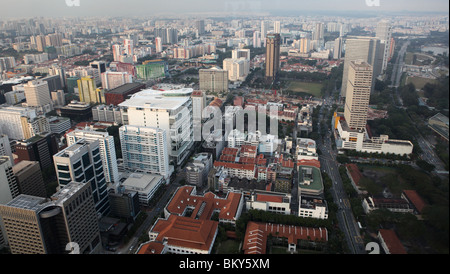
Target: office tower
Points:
(305, 45)
(152, 70)
(38, 148)
(272, 55)
(337, 51)
(72, 84)
(35, 225)
(5, 147)
(114, 79)
(361, 48)
(277, 27)
(88, 91)
(170, 110)
(37, 93)
(100, 66)
(213, 80)
(12, 123)
(145, 149)
(359, 87)
(128, 47)
(58, 98)
(264, 30)
(384, 33)
(158, 44)
(55, 70)
(29, 178)
(8, 184)
(256, 39)
(81, 162)
(319, 31)
(200, 25)
(117, 52)
(107, 150)
(198, 104)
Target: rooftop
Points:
(126, 88)
(158, 99)
(142, 181)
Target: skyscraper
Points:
(361, 48)
(8, 184)
(37, 94)
(272, 55)
(337, 51)
(81, 162)
(277, 27)
(384, 32)
(200, 25)
(144, 149)
(256, 39)
(213, 79)
(158, 44)
(359, 87)
(107, 150)
(128, 47)
(88, 91)
(117, 52)
(36, 225)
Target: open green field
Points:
(419, 82)
(306, 87)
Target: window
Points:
(86, 160)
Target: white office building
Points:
(107, 150)
(169, 110)
(144, 149)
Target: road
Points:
(328, 163)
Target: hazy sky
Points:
(47, 8)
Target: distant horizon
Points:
(149, 8)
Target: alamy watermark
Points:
(73, 3)
(373, 3)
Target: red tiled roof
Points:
(151, 248)
(415, 199)
(311, 162)
(392, 241)
(234, 165)
(354, 172)
(256, 235)
(269, 198)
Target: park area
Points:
(419, 82)
(311, 88)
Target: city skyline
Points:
(62, 8)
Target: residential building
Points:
(37, 94)
(213, 80)
(114, 79)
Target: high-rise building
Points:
(170, 110)
(384, 33)
(128, 47)
(88, 91)
(257, 39)
(117, 52)
(12, 121)
(37, 94)
(152, 70)
(359, 87)
(114, 79)
(37, 148)
(5, 147)
(277, 27)
(319, 31)
(305, 45)
(337, 50)
(144, 149)
(198, 104)
(200, 25)
(361, 48)
(107, 150)
(272, 55)
(100, 66)
(8, 184)
(264, 30)
(81, 162)
(36, 225)
(29, 178)
(213, 79)
(158, 44)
